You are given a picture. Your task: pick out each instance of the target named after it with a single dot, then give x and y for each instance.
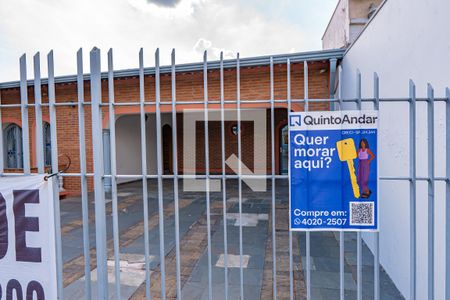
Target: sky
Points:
(250, 27)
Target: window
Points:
(13, 147)
(47, 144)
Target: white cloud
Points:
(203, 45)
(191, 26)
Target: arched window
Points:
(47, 144)
(13, 147)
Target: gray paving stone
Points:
(331, 280)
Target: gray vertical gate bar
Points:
(112, 143)
(412, 189)
(305, 84)
(341, 265)
(291, 259)
(376, 254)
(208, 209)
(241, 250)
(272, 133)
(144, 173)
(358, 89)
(341, 102)
(224, 181)
(24, 112)
(83, 178)
(430, 121)
(54, 139)
(341, 233)
(99, 196)
(175, 175)
(2, 165)
(308, 233)
(358, 234)
(38, 114)
(159, 158)
(447, 195)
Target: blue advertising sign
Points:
(333, 170)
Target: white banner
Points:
(27, 238)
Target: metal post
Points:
(2, 165)
(447, 196)
(208, 209)
(238, 98)
(305, 87)
(24, 112)
(341, 102)
(54, 139)
(107, 156)
(113, 171)
(341, 233)
(341, 265)
(175, 175)
(358, 234)
(38, 112)
(308, 233)
(159, 159)
(224, 181)
(358, 89)
(333, 63)
(291, 259)
(376, 254)
(412, 189)
(83, 177)
(99, 196)
(358, 264)
(430, 121)
(144, 173)
(272, 134)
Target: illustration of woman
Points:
(365, 156)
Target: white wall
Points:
(128, 144)
(407, 39)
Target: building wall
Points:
(255, 85)
(337, 33)
(405, 40)
(346, 23)
(128, 144)
(359, 9)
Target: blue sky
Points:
(251, 27)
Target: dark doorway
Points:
(167, 149)
(284, 140)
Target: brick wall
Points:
(255, 85)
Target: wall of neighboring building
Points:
(359, 9)
(405, 40)
(346, 23)
(337, 32)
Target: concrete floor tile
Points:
(233, 261)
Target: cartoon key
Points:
(347, 152)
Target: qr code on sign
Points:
(362, 213)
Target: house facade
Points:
(254, 93)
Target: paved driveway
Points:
(257, 248)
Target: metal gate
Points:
(101, 173)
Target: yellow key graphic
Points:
(347, 152)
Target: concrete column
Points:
(107, 159)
